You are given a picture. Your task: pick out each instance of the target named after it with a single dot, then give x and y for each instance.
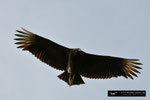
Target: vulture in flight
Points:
(74, 62)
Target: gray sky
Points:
(106, 27)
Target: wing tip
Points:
(131, 68)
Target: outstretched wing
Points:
(46, 50)
(94, 66)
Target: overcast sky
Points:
(106, 27)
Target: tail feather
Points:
(64, 76)
(71, 79)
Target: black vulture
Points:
(75, 62)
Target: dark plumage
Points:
(75, 62)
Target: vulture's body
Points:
(74, 62)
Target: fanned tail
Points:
(71, 79)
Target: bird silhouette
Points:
(75, 62)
